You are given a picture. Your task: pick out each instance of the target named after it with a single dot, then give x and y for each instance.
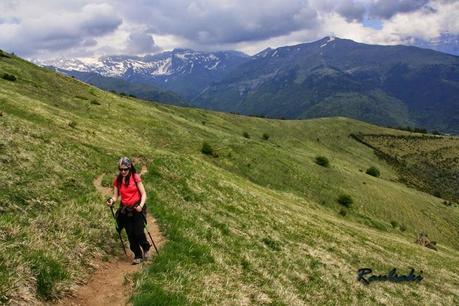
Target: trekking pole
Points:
(145, 226)
(119, 233)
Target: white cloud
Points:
(87, 28)
(56, 29)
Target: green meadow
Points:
(256, 222)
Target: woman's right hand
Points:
(110, 202)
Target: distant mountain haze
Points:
(386, 85)
(136, 89)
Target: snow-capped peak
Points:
(163, 64)
(330, 39)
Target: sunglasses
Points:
(123, 169)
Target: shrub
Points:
(373, 171)
(343, 212)
(9, 77)
(246, 135)
(208, 150)
(420, 130)
(322, 161)
(402, 227)
(265, 136)
(345, 200)
(95, 102)
(394, 223)
(72, 124)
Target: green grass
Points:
(259, 224)
(426, 162)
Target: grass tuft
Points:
(48, 272)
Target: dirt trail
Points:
(109, 284)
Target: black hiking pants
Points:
(133, 222)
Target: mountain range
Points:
(386, 85)
(183, 71)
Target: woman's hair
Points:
(119, 179)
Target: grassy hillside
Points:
(258, 224)
(429, 163)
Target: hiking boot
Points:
(147, 255)
(136, 261)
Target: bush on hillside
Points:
(9, 77)
(265, 136)
(343, 212)
(394, 223)
(412, 129)
(246, 135)
(373, 171)
(208, 150)
(322, 161)
(345, 200)
(95, 102)
(402, 227)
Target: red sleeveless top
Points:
(130, 195)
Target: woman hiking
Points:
(128, 185)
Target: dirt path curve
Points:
(108, 285)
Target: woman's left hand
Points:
(138, 208)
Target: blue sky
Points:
(82, 28)
(373, 23)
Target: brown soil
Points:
(110, 284)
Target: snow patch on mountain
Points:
(162, 67)
(330, 39)
(177, 61)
